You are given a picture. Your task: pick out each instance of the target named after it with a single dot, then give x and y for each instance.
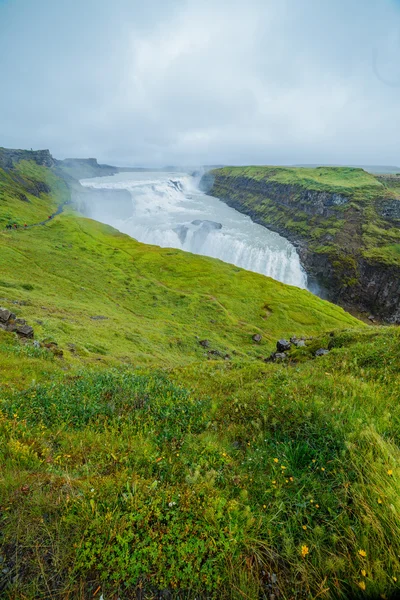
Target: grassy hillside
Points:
(139, 461)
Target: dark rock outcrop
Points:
(10, 157)
(9, 322)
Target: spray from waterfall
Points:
(168, 210)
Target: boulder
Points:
(257, 338)
(204, 343)
(321, 352)
(5, 315)
(24, 331)
(283, 345)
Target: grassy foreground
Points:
(137, 461)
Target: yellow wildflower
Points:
(304, 527)
(390, 472)
(291, 478)
(322, 469)
(264, 506)
(304, 551)
(283, 467)
(276, 460)
(394, 579)
(379, 501)
(274, 482)
(363, 572)
(317, 506)
(362, 553)
(361, 584)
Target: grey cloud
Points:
(208, 81)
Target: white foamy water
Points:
(168, 210)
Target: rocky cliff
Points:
(84, 168)
(10, 157)
(343, 221)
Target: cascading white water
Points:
(169, 210)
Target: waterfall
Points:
(169, 210)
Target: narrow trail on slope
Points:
(59, 210)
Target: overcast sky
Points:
(202, 81)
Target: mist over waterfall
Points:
(168, 210)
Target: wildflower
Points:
(274, 482)
(311, 501)
(322, 469)
(362, 553)
(363, 572)
(317, 506)
(394, 578)
(304, 551)
(264, 506)
(283, 467)
(304, 527)
(287, 480)
(177, 453)
(361, 584)
(390, 472)
(276, 460)
(379, 501)
(313, 460)
(291, 478)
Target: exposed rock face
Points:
(310, 201)
(9, 157)
(337, 268)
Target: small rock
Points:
(300, 344)
(321, 352)
(204, 343)
(36, 344)
(257, 338)
(283, 345)
(98, 318)
(371, 318)
(276, 356)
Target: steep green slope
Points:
(141, 462)
(345, 221)
(154, 304)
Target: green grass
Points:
(134, 461)
(202, 480)
(338, 179)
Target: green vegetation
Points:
(138, 460)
